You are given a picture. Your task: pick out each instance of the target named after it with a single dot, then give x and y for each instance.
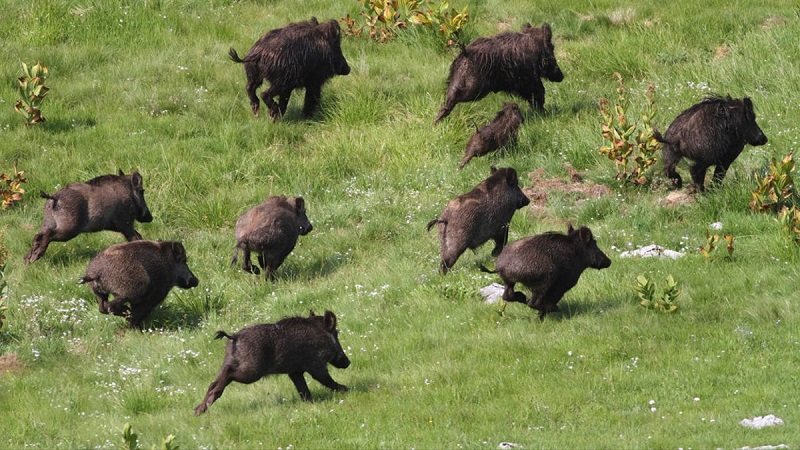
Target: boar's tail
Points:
(434, 222)
(659, 137)
(221, 334)
(484, 269)
(234, 56)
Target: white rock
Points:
(651, 251)
(492, 293)
(757, 423)
(765, 447)
(508, 445)
(716, 226)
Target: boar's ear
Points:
(299, 204)
(330, 320)
(136, 180)
(511, 177)
(492, 169)
(548, 33)
(331, 29)
(585, 234)
(748, 104)
(178, 251)
(120, 172)
(311, 313)
(570, 229)
(313, 20)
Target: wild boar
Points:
(293, 346)
(108, 202)
(299, 55)
(549, 265)
(711, 133)
(484, 213)
(271, 229)
(139, 273)
(495, 134)
(509, 62)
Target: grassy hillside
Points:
(147, 86)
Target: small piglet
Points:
(108, 202)
(471, 219)
(293, 346)
(507, 62)
(495, 134)
(299, 55)
(140, 273)
(711, 133)
(271, 229)
(549, 265)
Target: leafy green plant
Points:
(647, 292)
(384, 19)
(711, 244)
(775, 191)
(3, 284)
(130, 440)
(33, 92)
(789, 218)
(632, 145)
(12, 191)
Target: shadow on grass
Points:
(57, 125)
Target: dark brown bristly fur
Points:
(470, 220)
(712, 132)
(497, 133)
(507, 62)
(292, 346)
(107, 202)
(299, 55)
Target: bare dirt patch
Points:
(772, 22)
(541, 188)
(10, 363)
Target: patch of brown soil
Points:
(10, 363)
(677, 198)
(541, 187)
(722, 51)
(772, 22)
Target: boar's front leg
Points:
(500, 240)
(322, 375)
(38, 247)
(129, 232)
(312, 99)
(536, 100)
(302, 388)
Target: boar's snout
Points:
(555, 74)
(758, 138)
(306, 228)
(145, 216)
(341, 361)
(343, 68)
(598, 259)
(188, 280)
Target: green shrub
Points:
(33, 92)
(12, 191)
(3, 284)
(711, 244)
(632, 145)
(646, 290)
(385, 19)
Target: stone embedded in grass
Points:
(757, 423)
(492, 293)
(651, 251)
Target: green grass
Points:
(147, 86)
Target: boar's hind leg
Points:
(302, 388)
(671, 159)
(500, 241)
(269, 99)
(215, 389)
(247, 263)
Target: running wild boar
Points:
(139, 273)
(711, 133)
(495, 134)
(108, 202)
(549, 265)
(484, 213)
(271, 229)
(509, 62)
(293, 346)
(299, 55)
